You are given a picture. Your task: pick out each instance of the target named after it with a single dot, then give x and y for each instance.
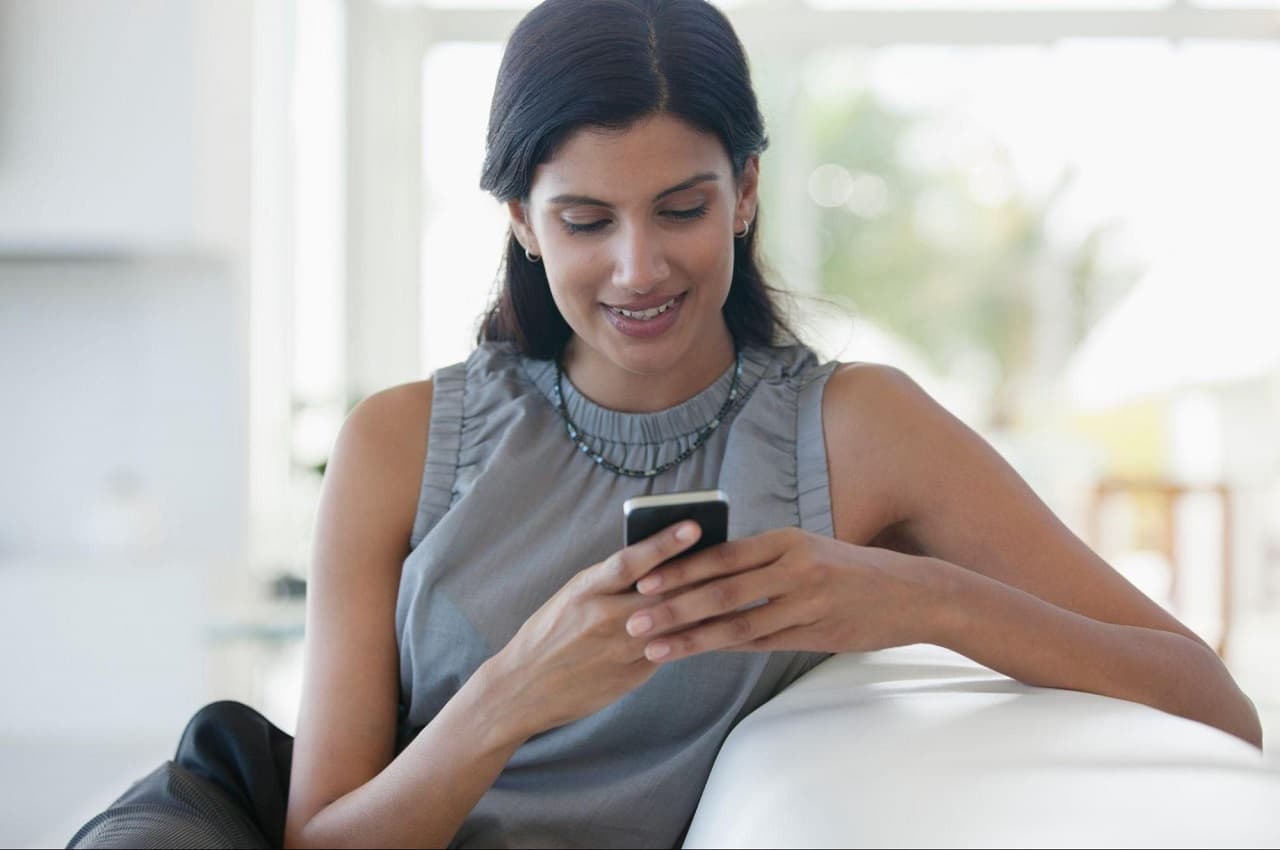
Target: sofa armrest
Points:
(920, 746)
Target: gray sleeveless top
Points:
(510, 510)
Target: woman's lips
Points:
(642, 304)
(646, 328)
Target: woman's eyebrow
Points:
(596, 202)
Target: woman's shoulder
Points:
(872, 415)
(864, 381)
(399, 418)
(393, 423)
(376, 463)
(868, 408)
(399, 409)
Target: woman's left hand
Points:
(824, 595)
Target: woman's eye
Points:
(585, 228)
(689, 214)
(593, 226)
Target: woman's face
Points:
(640, 220)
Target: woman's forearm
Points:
(425, 794)
(1036, 642)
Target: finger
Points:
(732, 631)
(724, 559)
(619, 571)
(713, 599)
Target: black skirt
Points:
(226, 787)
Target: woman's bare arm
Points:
(1036, 642)
(347, 786)
(1031, 599)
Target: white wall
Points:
(124, 170)
(96, 130)
(119, 368)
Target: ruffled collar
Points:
(672, 424)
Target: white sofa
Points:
(919, 746)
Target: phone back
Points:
(712, 517)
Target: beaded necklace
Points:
(706, 431)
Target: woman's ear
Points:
(520, 226)
(748, 185)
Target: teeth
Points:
(644, 315)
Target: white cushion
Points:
(920, 746)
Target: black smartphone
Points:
(645, 516)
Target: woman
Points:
(483, 666)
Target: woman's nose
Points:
(640, 261)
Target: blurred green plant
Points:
(946, 255)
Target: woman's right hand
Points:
(573, 656)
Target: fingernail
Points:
(654, 651)
(648, 583)
(640, 624)
(686, 532)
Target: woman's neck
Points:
(613, 386)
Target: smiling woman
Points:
(481, 666)
(642, 277)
